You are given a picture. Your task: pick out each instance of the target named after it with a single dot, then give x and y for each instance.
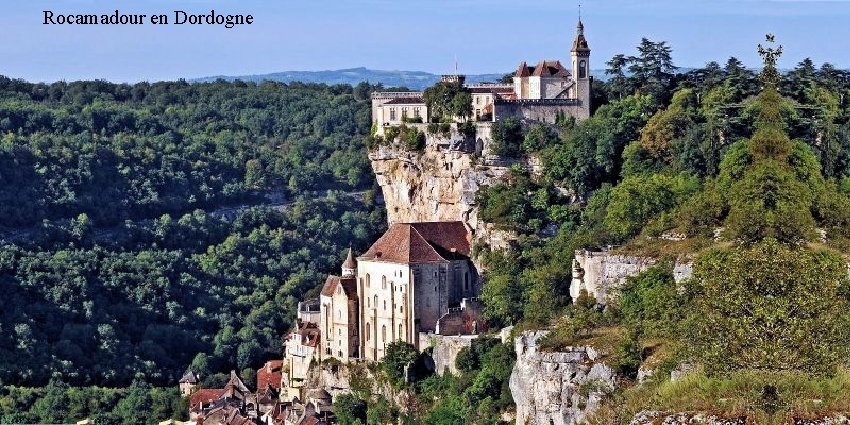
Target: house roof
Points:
(543, 68)
(405, 101)
(270, 375)
(429, 242)
(189, 378)
(309, 334)
(205, 396)
(349, 286)
(504, 90)
(235, 388)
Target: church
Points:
(412, 277)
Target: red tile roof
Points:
(269, 375)
(349, 286)
(205, 397)
(349, 260)
(550, 69)
(432, 242)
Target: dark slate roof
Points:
(406, 101)
(189, 378)
(430, 242)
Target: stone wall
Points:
(445, 349)
(468, 319)
(560, 388)
(541, 110)
(601, 272)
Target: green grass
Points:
(744, 393)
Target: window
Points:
(368, 333)
(367, 280)
(383, 282)
(416, 112)
(385, 304)
(477, 100)
(404, 113)
(400, 333)
(339, 314)
(582, 69)
(383, 333)
(392, 114)
(376, 301)
(340, 332)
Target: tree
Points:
(350, 410)
(618, 84)
(398, 357)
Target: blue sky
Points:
(426, 35)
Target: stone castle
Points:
(538, 93)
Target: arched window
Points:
(367, 279)
(383, 333)
(385, 304)
(368, 331)
(339, 314)
(400, 333)
(392, 114)
(383, 282)
(582, 69)
(376, 301)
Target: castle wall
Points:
(545, 111)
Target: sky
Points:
(483, 36)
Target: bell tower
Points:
(580, 55)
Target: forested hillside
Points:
(117, 263)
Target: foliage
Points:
(58, 402)
(507, 137)
(769, 307)
(130, 244)
(448, 100)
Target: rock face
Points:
(445, 350)
(601, 272)
(560, 388)
(439, 184)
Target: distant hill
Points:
(415, 80)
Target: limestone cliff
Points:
(560, 388)
(439, 184)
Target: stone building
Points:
(300, 349)
(408, 279)
(544, 93)
(339, 319)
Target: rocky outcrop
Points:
(444, 350)
(690, 418)
(439, 184)
(560, 388)
(601, 272)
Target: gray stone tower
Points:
(580, 55)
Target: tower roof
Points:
(580, 43)
(349, 263)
